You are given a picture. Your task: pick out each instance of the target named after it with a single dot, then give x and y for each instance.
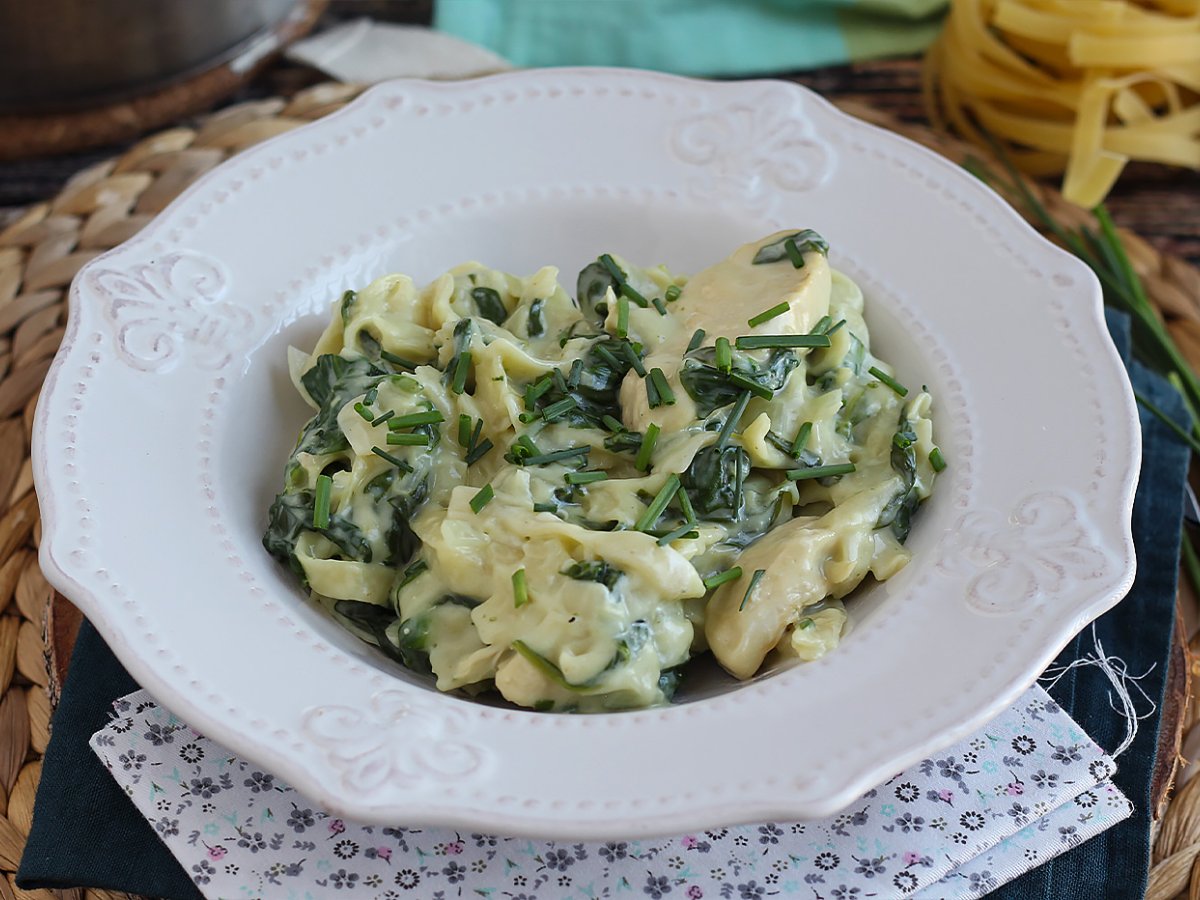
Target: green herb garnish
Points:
(660, 306)
(687, 530)
(658, 504)
(559, 408)
(936, 459)
(520, 591)
(397, 360)
(665, 394)
(461, 367)
(724, 357)
(696, 341)
(767, 315)
(622, 317)
(642, 462)
(714, 581)
(365, 413)
(889, 381)
(804, 241)
(586, 477)
(432, 417)
(394, 460)
(754, 580)
(383, 418)
(801, 439)
(673, 292)
(482, 498)
(479, 451)
(781, 341)
(407, 439)
(320, 517)
(732, 419)
(635, 361)
(541, 459)
(794, 253)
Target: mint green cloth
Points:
(693, 37)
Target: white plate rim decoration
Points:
(150, 479)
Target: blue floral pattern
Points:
(1031, 785)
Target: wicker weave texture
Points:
(106, 204)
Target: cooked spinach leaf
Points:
(590, 288)
(714, 482)
(595, 570)
(805, 241)
(535, 326)
(292, 513)
(490, 306)
(711, 388)
(900, 508)
(331, 383)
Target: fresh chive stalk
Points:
(541, 459)
(464, 430)
(520, 590)
(622, 317)
(801, 439)
(936, 459)
(768, 314)
(658, 504)
(836, 325)
(482, 498)
(394, 460)
(398, 360)
(715, 581)
(383, 418)
(696, 341)
(321, 502)
(889, 381)
(781, 341)
(407, 439)
(613, 425)
(687, 530)
(559, 408)
(820, 471)
(660, 306)
(365, 413)
(635, 361)
(652, 398)
(665, 394)
(758, 390)
(822, 325)
(673, 292)
(685, 504)
(756, 577)
(642, 462)
(724, 357)
(575, 374)
(586, 477)
(479, 451)
(432, 417)
(732, 419)
(412, 573)
(461, 368)
(794, 253)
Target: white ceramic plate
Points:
(166, 419)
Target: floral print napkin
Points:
(1027, 787)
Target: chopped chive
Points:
(685, 504)
(622, 317)
(586, 477)
(820, 471)
(652, 398)
(545, 507)
(412, 573)
(464, 430)
(768, 314)
(394, 460)
(379, 421)
(658, 504)
(724, 357)
(634, 360)
(673, 292)
(900, 441)
(482, 498)
(889, 381)
(696, 341)
(613, 269)
(528, 417)
(432, 417)
(642, 462)
(837, 325)
(520, 591)
(628, 291)
(605, 355)
(805, 624)
(535, 390)
(371, 396)
(822, 323)
(801, 439)
(526, 442)
(686, 530)
(754, 580)
(758, 390)
(720, 578)
(397, 360)
(364, 412)
(459, 383)
(558, 408)
(772, 341)
(732, 419)
(665, 394)
(479, 451)
(794, 253)
(575, 374)
(936, 459)
(321, 504)
(541, 459)
(613, 425)
(407, 439)
(475, 433)
(560, 382)
(660, 306)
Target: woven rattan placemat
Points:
(108, 203)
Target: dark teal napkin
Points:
(87, 832)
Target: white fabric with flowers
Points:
(1027, 787)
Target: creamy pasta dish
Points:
(566, 499)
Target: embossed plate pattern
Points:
(166, 418)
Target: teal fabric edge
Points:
(692, 37)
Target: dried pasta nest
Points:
(1077, 87)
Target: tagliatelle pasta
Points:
(567, 499)
(1078, 87)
